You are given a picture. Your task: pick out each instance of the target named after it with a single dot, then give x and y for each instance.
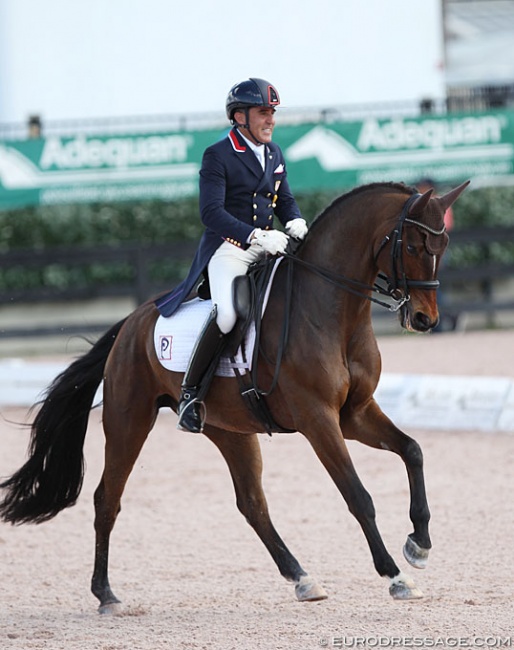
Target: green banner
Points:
(334, 155)
(89, 169)
(447, 149)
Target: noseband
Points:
(398, 284)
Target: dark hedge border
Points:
(157, 222)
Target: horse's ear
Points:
(450, 198)
(421, 202)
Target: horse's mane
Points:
(391, 186)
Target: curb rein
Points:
(398, 284)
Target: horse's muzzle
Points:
(416, 321)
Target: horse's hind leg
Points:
(242, 453)
(126, 428)
(373, 428)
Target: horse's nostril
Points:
(422, 322)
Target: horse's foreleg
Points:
(373, 428)
(126, 430)
(243, 455)
(330, 447)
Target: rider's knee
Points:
(226, 320)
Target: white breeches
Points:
(228, 262)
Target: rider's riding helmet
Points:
(252, 92)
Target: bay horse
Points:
(323, 387)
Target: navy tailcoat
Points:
(236, 196)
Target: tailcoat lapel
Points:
(243, 153)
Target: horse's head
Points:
(417, 244)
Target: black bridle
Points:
(397, 285)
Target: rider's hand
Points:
(297, 228)
(271, 241)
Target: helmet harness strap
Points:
(246, 125)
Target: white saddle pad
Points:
(175, 337)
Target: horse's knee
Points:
(413, 454)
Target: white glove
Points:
(271, 241)
(297, 228)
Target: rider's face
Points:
(261, 121)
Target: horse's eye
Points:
(411, 249)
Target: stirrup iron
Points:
(191, 411)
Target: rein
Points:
(353, 286)
(397, 286)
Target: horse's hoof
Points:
(307, 589)
(110, 609)
(415, 555)
(403, 588)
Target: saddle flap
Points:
(242, 297)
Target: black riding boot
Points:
(199, 374)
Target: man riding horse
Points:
(243, 184)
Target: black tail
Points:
(52, 477)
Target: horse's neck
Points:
(346, 237)
(320, 304)
(342, 246)
(344, 250)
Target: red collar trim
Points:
(237, 146)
